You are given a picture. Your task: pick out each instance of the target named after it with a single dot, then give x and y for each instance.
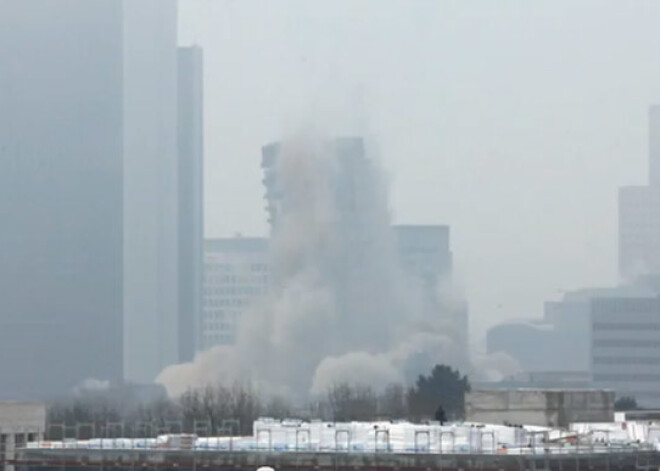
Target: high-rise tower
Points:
(191, 199)
(639, 215)
(89, 193)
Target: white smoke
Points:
(340, 307)
(91, 385)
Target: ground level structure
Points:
(180, 460)
(20, 423)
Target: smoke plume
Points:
(340, 308)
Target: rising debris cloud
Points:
(340, 308)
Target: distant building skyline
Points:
(565, 329)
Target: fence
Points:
(61, 431)
(144, 435)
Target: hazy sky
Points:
(512, 121)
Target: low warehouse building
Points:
(545, 407)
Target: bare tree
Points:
(278, 408)
(191, 409)
(348, 402)
(246, 406)
(393, 403)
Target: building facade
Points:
(191, 198)
(425, 257)
(625, 347)
(236, 278)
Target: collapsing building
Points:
(359, 210)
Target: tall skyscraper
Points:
(61, 173)
(89, 193)
(639, 215)
(151, 161)
(191, 198)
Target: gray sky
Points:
(512, 121)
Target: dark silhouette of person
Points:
(440, 415)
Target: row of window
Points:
(230, 302)
(626, 326)
(233, 279)
(234, 290)
(219, 327)
(217, 339)
(625, 377)
(626, 361)
(627, 343)
(235, 267)
(220, 315)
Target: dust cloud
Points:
(340, 308)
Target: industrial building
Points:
(565, 330)
(20, 423)
(542, 407)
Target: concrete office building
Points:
(424, 253)
(639, 214)
(625, 348)
(542, 407)
(191, 198)
(564, 330)
(639, 231)
(236, 277)
(528, 342)
(88, 193)
(425, 257)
